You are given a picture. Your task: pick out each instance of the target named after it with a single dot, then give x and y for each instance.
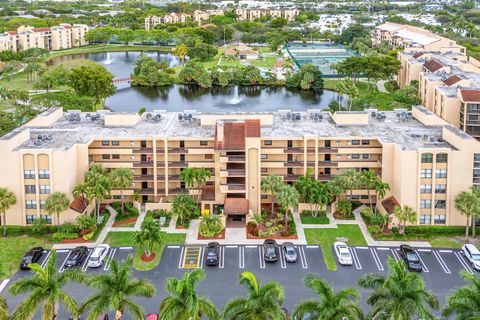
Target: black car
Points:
(271, 250)
(410, 257)
(76, 257)
(212, 253)
(31, 256)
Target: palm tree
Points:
(476, 213)
(7, 199)
(45, 289)
(464, 302)
(115, 291)
(56, 203)
(401, 295)
(183, 303)
(368, 179)
(287, 198)
(466, 204)
(149, 235)
(329, 306)
(183, 206)
(381, 189)
(201, 177)
(272, 184)
(3, 309)
(262, 303)
(122, 178)
(404, 214)
(99, 191)
(81, 190)
(351, 180)
(180, 51)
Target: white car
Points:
(472, 254)
(98, 256)
(343, 253)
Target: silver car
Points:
(289, 252)
(98, 256)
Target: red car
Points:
(152, 316)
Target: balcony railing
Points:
(143, 177)
(145, 191)
(177, 164)
(236, 158)
(143, 164)
(177, 150)
(143, 150)
(235, 172)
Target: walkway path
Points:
(381, 86)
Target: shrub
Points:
(373, 230)
(268, 224)
(210, 226)
(367, 215)
(39, 226)
(258, 218)
(59, 236)
(344, 207)
(437, 230)
(86, 221)
(88, 236)
(395, 230)
(157, 213)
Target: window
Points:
(47, 218)
(263, 170)
(425, 219)
(30, 218)
(365, 142)
(264, 196)
(29, 174)
(44, 189)
(426, 173)
(115, 143)
(442, 158)
(30, 189)
(439, 219)
(263, 156)
(355, 156)
(105, 156)
(440, 188)
(440, 204)
(355, 142)
(426, 188)
(364, 196)
(209, 156)
(43, 174)
(30, 204)
(105, 143)
(427, 158)
(116, 156)
(117, 197)
(365, 156)
(42, 204)
(203, 142)
(441, 173)
(267, 142)
(425, 204)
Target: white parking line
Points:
(283, 264)
(463, 262)
(312, 247)
(44, 263)
(62, 251)
(303, 257)
(221, 264)
(62, 268)
(126, 248)
(441, 262)
(181, 258)
(395, 254)
(376, 258)
(424, 266)
(109, 259)
(261, 254)
(4, 284)
(250, 246)
(202, 253)
(231, 246)
(353, 252)
(173, 247)
(424, 250)
(84, 266)
(241, 257)
(445, 251)
(362, 248)
(382, 248)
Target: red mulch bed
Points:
(181, 227)
(126, 221)
(338, 216)
(219, 236)
(77, 240)
(290, 237)
(147, 259)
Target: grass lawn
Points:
(362, 86)
(445, 243)
(126, 239)
(13, 249)
(326, 237)
(18, 81)
(268, 62)
(320, 219)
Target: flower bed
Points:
(271, 228)
(146, 258)
(219, 236)
(76, 240)
(124, 222)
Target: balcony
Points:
(236, 158)
(161, 192)
(325, 177)
(145, 191)
(173, 177)
(232, 188)
(177, 164)
(143, 164)
(143, 177)
(327, 164)
(177, 191)
(232, 173)
(177, 150)
(143, 150)
(291, 177)
(327, 150)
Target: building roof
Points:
(390, 204)
(235, 206)
(433, 65)
(40, 29)
(470, 95)
(233, 136)
(78, 204)
(248, 52)
(418, 54)
(452, 80)
(208, 192)
(252, 128)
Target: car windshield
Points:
(290, 251)
(476, 256)
(345, 255)
(211, 253)
(270, 250)
(412, 257)
(94, 258)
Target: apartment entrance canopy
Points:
(236, 206)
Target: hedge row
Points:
(437, 230)
(29, 230)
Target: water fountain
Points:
(235, 99)
(109, 59)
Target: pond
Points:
(183, 97)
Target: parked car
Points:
(31, 256)
(152, 316)
(271, 250)
(98, 256)
(76, 257)
(213, 249)
(410, 257)
(289, 252)
(343, 254)
(472, 254)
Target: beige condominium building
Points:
(449, 86)
(413, 38)
(60, 37)
(252, 14)
(152, 21)
(426, 161)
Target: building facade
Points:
(152, 21)
(256, 14)
(426, 161)
(61, 37)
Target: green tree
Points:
(348, 87)
(33, 70)
(114, 291)
(98, 184)
(92, 81)
(187, 175)
(202, 52)
(467, 204)
(125, 36)
(3, 309)
(271, 183)
(210, 225)
(81, 190)
(56, 203)
(52, 77)
(184, 303)
(184, 207)
(158, 36)
(180, 51)
(405, 214)
(262, 303)
(278, 23)
(148, 236)
(101, 34)
(45, 289)
(287, 198)
(7, 199)
(122, 179)
(329, 305)
(352, 180)
(464, 302)
(368, 179)
(314, 192)
(201, 176)
(400, 295)
(308, 77)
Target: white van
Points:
(472, 254)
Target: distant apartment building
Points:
(200, 16)
(449, 86)
(152, 21)
(412, 38)
(254, 14)
(60, 37)
(426, 161)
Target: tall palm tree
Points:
(183, 303)
(56, 203)
(183, 206)
(465, 302)
(45, 289)
(81, 190)
(466, 204)
(122, 178)
(201, 177)
(262, 303)
(148, 235)
(381, 189)
(187, 175)
(7, 199)
(351, 180)
(3, 309)
(329, 306)
(401, 295)
(287, 198)
(476, 213)
(272, 184)
(405, 214)
(181, 52)
(99, 191)
(114, 292)
(368, 179)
